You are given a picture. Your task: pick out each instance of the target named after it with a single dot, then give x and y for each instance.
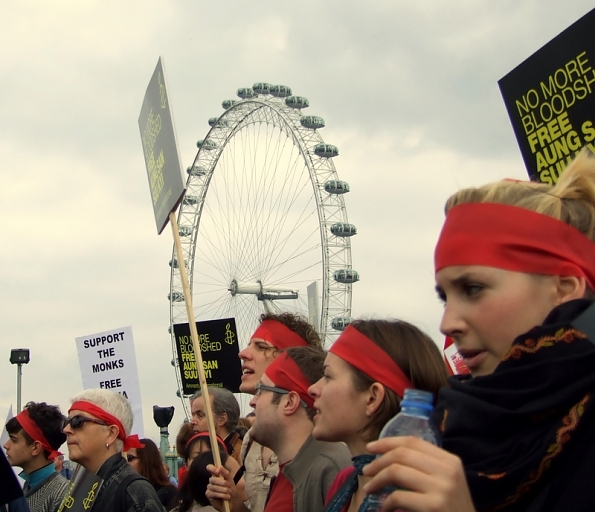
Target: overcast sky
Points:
(408, 90)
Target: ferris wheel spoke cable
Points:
(209, 254)
(261, 201)
(272, 241)
(282, 242)
(289, 276)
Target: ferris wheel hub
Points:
(261, 291)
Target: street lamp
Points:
(19, 356)
(162, 417)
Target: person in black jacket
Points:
(98, 430)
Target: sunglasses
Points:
(131, 457)
(78, 421)
(263, 387)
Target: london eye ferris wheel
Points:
(263, 224)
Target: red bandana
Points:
(129, 442)
(206, 434)
(279, 335)
(35, 433)
(286, 374)
(362, 353)
(516, 239)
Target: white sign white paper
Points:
(108, 361)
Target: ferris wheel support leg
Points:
(194, 334)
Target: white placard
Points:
(108, 361)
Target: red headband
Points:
(516, 239)
(35, 433)
(279, 335)
(286, 374)
(129, 442)
(206, 434)
(360, 351)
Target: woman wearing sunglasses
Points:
(366, 373)
(515, 268)
(97, 431)
(147, 462)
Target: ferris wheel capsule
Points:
(340, 323)
(298, 102)
(246, 92)
(336, 187)
(326, 150)
(196, 170)
(207, 144)
(261, 88)
(346, 276)
(312, 122)
(227, 104)
(217, 122)
(343, 229)
(190, 200)
(280, 91)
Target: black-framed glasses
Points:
(78, 421)
(130, 457)
(263, 387)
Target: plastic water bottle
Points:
(413, 420)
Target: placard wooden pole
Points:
(197, 354)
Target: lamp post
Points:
(19, 356)
(162, 417)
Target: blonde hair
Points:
(571, 200)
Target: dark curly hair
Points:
(48, 418)
(298, 324)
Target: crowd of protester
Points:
(515, 268)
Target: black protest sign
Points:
(550, 99)
(82, 491)
(218, 341)
(160, 148)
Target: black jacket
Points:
(139, 496)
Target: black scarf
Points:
(515, 429)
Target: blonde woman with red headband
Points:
(366, 373)
(97, 431)
(515, 267)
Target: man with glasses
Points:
(34, 438)
(275, 333)
(283, 422)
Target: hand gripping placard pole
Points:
(197, 354)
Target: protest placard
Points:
(218, 342)
(550, 99)
(160, 149)
(108, 361)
